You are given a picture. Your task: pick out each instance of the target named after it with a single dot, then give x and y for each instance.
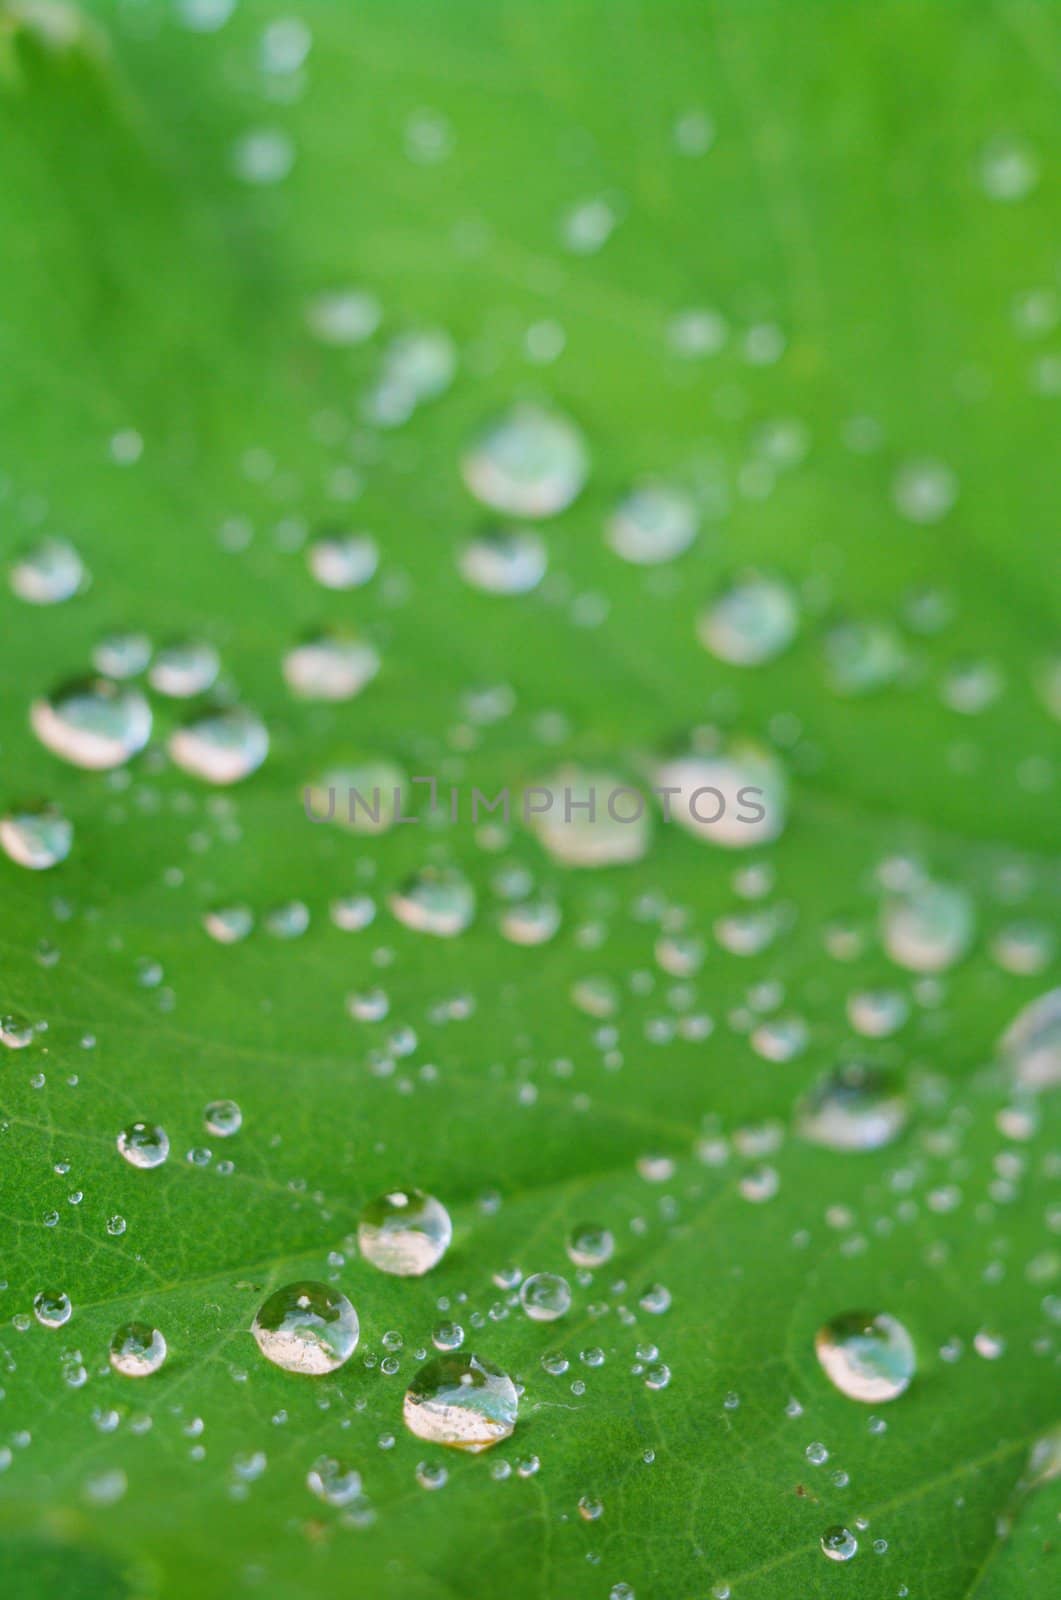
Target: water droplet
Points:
(594, 819)
(929, 928)
(405, 1232)
(52, 1308)
(590, 1508)
(221, 746)
(122, 655)
(306, 1327)
(869, 1357)
(855, 1108)
(48, 573)
(15, 1031)
(343, 316)
(37, 836)
(1009, 169)
(653, 523)
(924, 491)
(461, 1401)
(750, 622)
(137, 1350)
(223, 1118)
(92, 723)
(343, 560)
(184, 668)
(333, 1481)
(590, 1246)
(330, 666)
(229, 924)
(862, 657)
(144, 1144)
(1031, 1045)
(435, 900)
(545, 1296)
(504, 561)
(369, 797)
(448, 1336)
(530, 922)
(839, 1544)
(529, 463)
(736, 798)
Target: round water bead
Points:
(330, 667)
(461, 1401)
(52, 1308)
(855, 1108)
(48, 573)
(594, 819)
(16, 1032)
(750, 622)
(545, 1296)
(343, 560)
(137, 1350)
(929, 928)
(221, 746)
(436, 900)
(405, 1232)
(333, 1481)
(144, 1144)
(868, 1356)
(223, 1118)
(184, 668)
(736, 797)
(504, 561)
(122, 655)
(590, 1246)
(528, 463)
(228, 924)
(306, 1327)
(839, 1544)
(1031, 1045)
(654, 522)
(36, 836)
(92, 723)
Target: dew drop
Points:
(330, 666)
(435, 900)
(223, 1118)
(1031, 1045)
(122, 655)
(343, 560)
(653, 523)
(229, 924)
(137, 1350)
(736, 798)
(929, 928)
(504, 561)
(52, 1308)
(750, 622)
(855, 1108)
(36, 836)
(839, 1544)
(462, 1402)
(869, 1357)
(405, 1232)
(593, 819)
(144, 1144)
(545, 1296)
(306, 1327)
(184, 668)
(529, 463)
(92, 723)
(221, 746)
(332, 1481)
(589, 1245)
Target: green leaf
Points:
(865, 195)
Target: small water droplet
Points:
(92, 723)
(839, 1544)
(750, 622)
(855, 1108)
(48, 573)
(137, 1350)
(545, 1296)
(144, 1144)
(435, 900)
(529, 463)
(504, 561)
(36, 836)
(653, 523)
(221, 746)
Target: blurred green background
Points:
(854, 210)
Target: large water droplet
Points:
(868, 1356)
(749, 622)
(1031, 1045)
(529, 463)
(736, 797)
(144, 1144)
(48, 573)
(838, 1543)
(654, 522)
(222, 746)
(504, 561)
(330, 667)
(855, 1108)
(52, 1308)
(405, 1232)
(435, 900)
(93, 723)
(306, 1327)
(461, 1401)
(37, 836)
(545, 1296)
(137, 1350)
(929, 928)
(594, 819)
